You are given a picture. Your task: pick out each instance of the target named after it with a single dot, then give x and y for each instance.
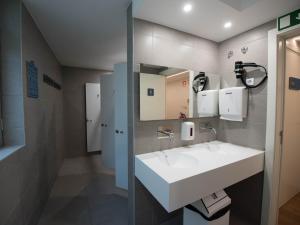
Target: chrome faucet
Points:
(163, 133)
(207, 126)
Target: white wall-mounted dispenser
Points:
(208, 103)
(233, 103)
(187, 131)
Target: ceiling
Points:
(87, 34)
(207, 18)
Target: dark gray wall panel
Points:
(74, 80)
(27, 175)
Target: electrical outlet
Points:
(250, 81)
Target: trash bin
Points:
(213, 209)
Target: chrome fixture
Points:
(244, 50)
(230, 54)
(163, 133)
(207, 126)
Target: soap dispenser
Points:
(187, 131)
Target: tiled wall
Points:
(26, 177)
(252, 131)
(74, 80)
(158, 45)
(180, 50)
(155, 44)
(11, 71)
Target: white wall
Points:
(290, 166)
(163, 46)
(177, 96)
(252, 131)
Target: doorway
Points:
(289, 186)
(87, 189)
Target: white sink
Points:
(177, 160)
(180, 176)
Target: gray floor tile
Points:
(110, 210)
(86, 199)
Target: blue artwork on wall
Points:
(32, 80)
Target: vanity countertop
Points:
(179, 176)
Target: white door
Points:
(121, 131)
(107, 121)
(93, 109)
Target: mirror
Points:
(171, 93)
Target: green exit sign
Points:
(289, 20)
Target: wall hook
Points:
(244, 50)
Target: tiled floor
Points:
(289, 213)
(85, 194)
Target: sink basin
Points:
(178, 160)
(180, 176)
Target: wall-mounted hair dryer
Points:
(241, 73)
(200, 82)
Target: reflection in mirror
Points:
(165, 93)
(171, 93)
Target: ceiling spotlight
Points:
(187, 8)
(227, 25)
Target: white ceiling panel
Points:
(207, 17)
(88, 34)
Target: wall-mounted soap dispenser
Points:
(233, 103)
(208, 103)
(187, 131)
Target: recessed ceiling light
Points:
(187, 8)
(227, 25)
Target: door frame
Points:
(275, 109)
